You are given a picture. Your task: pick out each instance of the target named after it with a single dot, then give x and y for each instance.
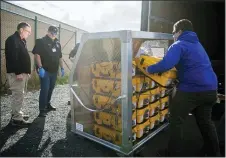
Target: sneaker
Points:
(50, 108)
(20, 123)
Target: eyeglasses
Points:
(27, 31)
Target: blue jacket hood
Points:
(188, 36)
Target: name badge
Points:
(54, 49)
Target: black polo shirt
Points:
(17, 57)
(50, 53)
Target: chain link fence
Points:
(9, 22)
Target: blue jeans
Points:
(47, 85)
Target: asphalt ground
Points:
(52, 136)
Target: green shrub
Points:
(34, 83)
(62, 80)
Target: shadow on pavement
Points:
(28, 145)
(76, 146)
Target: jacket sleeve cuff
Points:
(148, 69)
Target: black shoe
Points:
(50, 108)
(25, 117)
(21, 123)
(42, 113)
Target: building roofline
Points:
(42, 15)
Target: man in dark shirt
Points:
(48, 56)
(18, 66)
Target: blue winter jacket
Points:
(195, 73)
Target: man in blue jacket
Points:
(197, 89)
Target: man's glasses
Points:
(27, 31)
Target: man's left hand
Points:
(62, 72)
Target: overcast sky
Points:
(92, 16)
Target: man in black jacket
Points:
(48, 57)
(18, 66)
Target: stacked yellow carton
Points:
(106, 85)
(150, 100)
(158, 97)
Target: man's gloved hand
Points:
(62, 72)
(41, 72)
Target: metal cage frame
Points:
(126, 37)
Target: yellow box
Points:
(154, 94)
(106, 69)
(163, 114)
(108, 134)
(142, 99)
(165, 79)
(154, 107)
(143, 114)
(142, 128)
(95, 69)
(110, 69)
(107, 87)
(113, 87)
(134, 118)
(152, 84)
(154, 120)
(105, 102)
(134, 102)
(134, 135)
(108, 103)
(140, 83)
(162, 91)
(111, 120)
(164, 102)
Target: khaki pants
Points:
(18, 89)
